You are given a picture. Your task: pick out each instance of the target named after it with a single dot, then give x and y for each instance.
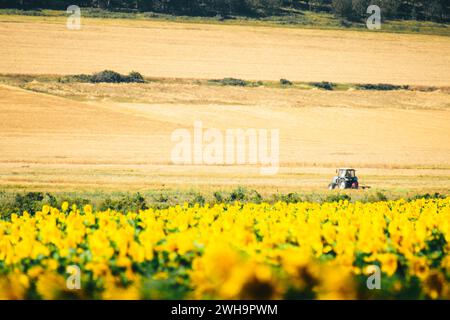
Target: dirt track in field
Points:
(164, 49)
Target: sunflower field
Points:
(229, 251)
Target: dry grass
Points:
(164, 49)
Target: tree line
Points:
(354, 10)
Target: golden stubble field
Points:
(163, 49)
(86, 136)
(73, 136)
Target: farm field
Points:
(88, 183)
(43, 45)
(68, 137)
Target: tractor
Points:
(345, 179)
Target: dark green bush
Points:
(345, 23)
(323, 85)
(218, 197)
(291, 198)
(254, 196)
(237, 194)
(236, 82)
(76, 78)
(378, 196)
(30, 202)
(285, 82)
(243, 195)
(106, 76)
(428, 196)
(231, 82)
(338, 197)
(126, 203)
(198, 199)
(109, 77)
(381, 86)
(134, 76)
(162, 197)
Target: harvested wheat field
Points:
(118, 136)
(163, 49)
(86, 136)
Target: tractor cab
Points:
(345, 179)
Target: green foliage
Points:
(427, 196)
(323, 85)
(32, 202)
(291, 198)
(126, 203)
(198, 199)
(235, 82)
(353, 10)
(107, 76)
(381, 86)
(114, 77)
(241, 194)
(378, 196)
(237, 195)
(76, 78)
(356, 10)
(338, 197)
(285, 82)
(218, 197)
(193, 7)
(134, 76)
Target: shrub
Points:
(254, 196)
(378, 196)
(126, 203)
(134, 76)
(28, 202)
(291, 198)
(162, 198)
(32, 202)
(231, 82)
(198, 199)
(76, 78)
(338, 197)
(323, 85)
(243, 195)
(237, 194)
(78, 201)
(381, 86)
(345, 23)
(107, 76)
(218, 197)
(285, 82)
(427, 196)
(236, 82)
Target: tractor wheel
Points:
(342, 185)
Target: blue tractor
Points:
(345, 179)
